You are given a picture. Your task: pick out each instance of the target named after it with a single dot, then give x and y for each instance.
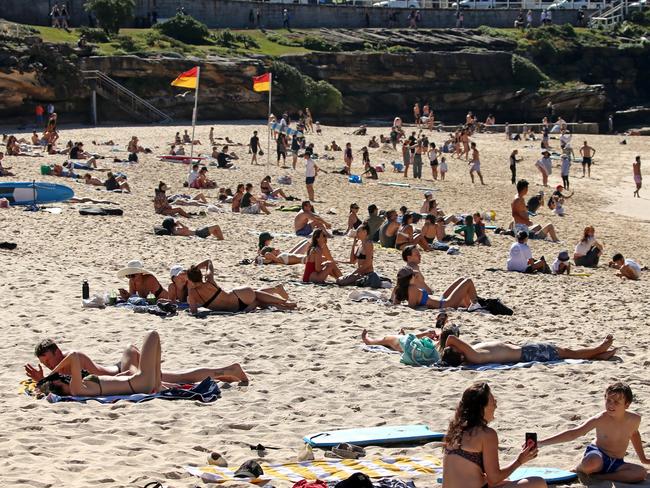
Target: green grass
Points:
(50, 34)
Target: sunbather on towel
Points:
(460, 294)
(296, 255)
(141, 282)
(396, 342)
(145, 378)
(206, 293)
(177, 228)
(50, 356)
(458, 352)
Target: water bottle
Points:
(85, 290)
(151, 299)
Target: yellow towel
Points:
(27, 387)
(330, 470)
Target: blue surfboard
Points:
(551, 475)
(28, 193)
(374, 436)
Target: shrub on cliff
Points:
(227, 38)
(94, 35)
(397, 49)
(304, 91)
(184, 28)
(319, 44)
(526, 73)
(111, 14)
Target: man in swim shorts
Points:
(587, 152)
(636, 171)
(475, 164)
(521, 220)
(458, 352)
(306, 221)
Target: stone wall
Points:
(235, 14)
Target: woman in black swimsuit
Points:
(472, 448)
(206, 293)
(353, 219)
(361, 254)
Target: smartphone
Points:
(531, 436)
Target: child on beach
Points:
(628, 268)
(615, 428)
(443, 168)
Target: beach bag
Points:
(419, 351)
(357, 480)
(372, 280)
(494, 306)
(310, 484)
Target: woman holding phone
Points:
(472, 448)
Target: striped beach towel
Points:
(330, 470)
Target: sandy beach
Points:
(306, 367)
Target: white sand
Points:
(307, 373)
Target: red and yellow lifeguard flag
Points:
(262, 83)
(187, 79)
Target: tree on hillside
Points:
(111, 14)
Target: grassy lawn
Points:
(139, 38)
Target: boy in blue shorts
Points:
(615, 428)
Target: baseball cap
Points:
(175, 270)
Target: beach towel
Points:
(481, 367)
(205, 392)
(330, 470)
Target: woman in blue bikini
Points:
(460, 294)
(472, 448)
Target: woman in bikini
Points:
(206, 293)
(296, 255)
(146, 377)
(460, 294)
(162, 206)
(361, 254)
(268, 190)
(141, 281)
(318, 267)
(407, 236)
(353, 218)
(472, 448)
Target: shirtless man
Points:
(307, 220)
(458, 352)
(475, 164)
(587, 152)
(636, 171)
(521, 220)
(49, 355)
(91, 180)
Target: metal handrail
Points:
(122, 90)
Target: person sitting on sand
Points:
(141, 282)
(317, 266)
(388, 231)
(467, 231)
(77, 152)
(306, 220)
(375, 220)
(145, 377)
(615, 429)
(267, 189)
(361, 254)
(113, 183)
(628, 268)
(522, 221)
(353, 218)
(4, 170)
(188, 140)
(222, 157)
(373, 142)
(521, 257)
(460, 294)
(202, 180)
(406, 235)
(235, 203)
(177, 290)
(133, 146)
(206, 293)
(91, 180)
(177, 228)
(162, 206)
(458, 352)
(251, 205)
(471, 457)
(588, 250)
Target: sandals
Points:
(346, 451)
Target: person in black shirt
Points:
(534, 202)
(223, 160)
(254, 145)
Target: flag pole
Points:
(196, 104)
(268, 123)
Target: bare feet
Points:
(606, 344)
(604, 356)
(232, 374)
(364, 336)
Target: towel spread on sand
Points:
(330, 470)
(481, 367)
(205, 392)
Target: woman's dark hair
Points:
(448, 330)
(469, 414)
(267, 178)
(586, 232)
(407, 218)
(194, 275)
(241, 186)
(430, 218)
(390, 214)
(469, 220)
(318, 233)
(47, 385)
(365, 227)
(402, 286)
(451, 357)
(160, 185)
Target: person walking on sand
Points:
(311, 170)
(254, 145)
(636, 171)
(475, 164)
(587, 152)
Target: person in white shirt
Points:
(588, 250)
(565, 138)
(545, 166)
(627, 268)
(193, 175)
(521, 257)
(311, 170)
(561, 264)
(565, 171)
